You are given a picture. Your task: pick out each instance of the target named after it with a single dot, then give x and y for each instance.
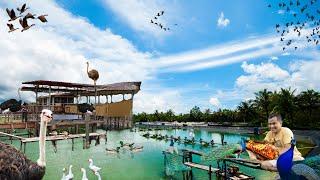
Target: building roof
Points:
(75, 89)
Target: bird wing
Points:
(21, 22)
(8, 12)
(23, 7)
(13, 13)
(25, 22)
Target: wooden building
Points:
(63, 97)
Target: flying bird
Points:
(42, 18)
(11, 28)
(12, 15)
(23, 8)
(24, 24)
(29, 16)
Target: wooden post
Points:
(72, 144)
(87, 119)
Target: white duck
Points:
(98, 175)
(84, 174)
(70, 175)
(93, 167)
(64, 174)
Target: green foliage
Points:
(298, 110)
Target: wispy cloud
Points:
(222, 21)
(138, 13)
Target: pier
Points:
(24, 141)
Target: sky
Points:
(215, 55)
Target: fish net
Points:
(173, 164)
(221, 152)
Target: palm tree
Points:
(246, 110)
(308, 100)
(169, 115)
(286, 104)
(263, 101)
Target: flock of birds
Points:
(305, 22)
(23, 20)
(155, 21)
(92, 167)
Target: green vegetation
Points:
(299, 111)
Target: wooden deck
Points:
(53, 139)
(60, 137)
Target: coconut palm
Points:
(308, 100)
(246, 110)
(286, 104)
(263, 101)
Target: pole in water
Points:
(87, 118)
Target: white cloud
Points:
(274, 58)
(138, 13)
(214, 101)
(301, 75)
(222, 21)
(159, 99)
(218, 55)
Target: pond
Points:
(147, 164)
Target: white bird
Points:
(70, 175)
(93, 167)
(6, 111)
(84, 174)
(98, 174)
(64, 174)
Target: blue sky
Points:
(198, 62)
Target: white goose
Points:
(93, 167)
(84, 174)
(70, 175)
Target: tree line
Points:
(300, 111)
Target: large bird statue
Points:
(15, 165)
(94, 75)
(300, 170)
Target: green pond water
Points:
(147, 164)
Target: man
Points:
(24, 111)
(280, 137)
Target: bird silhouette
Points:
(23, 8)
(42, 18)
(24, 24)
(12, 14)
(11, 28)
(30, 16)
